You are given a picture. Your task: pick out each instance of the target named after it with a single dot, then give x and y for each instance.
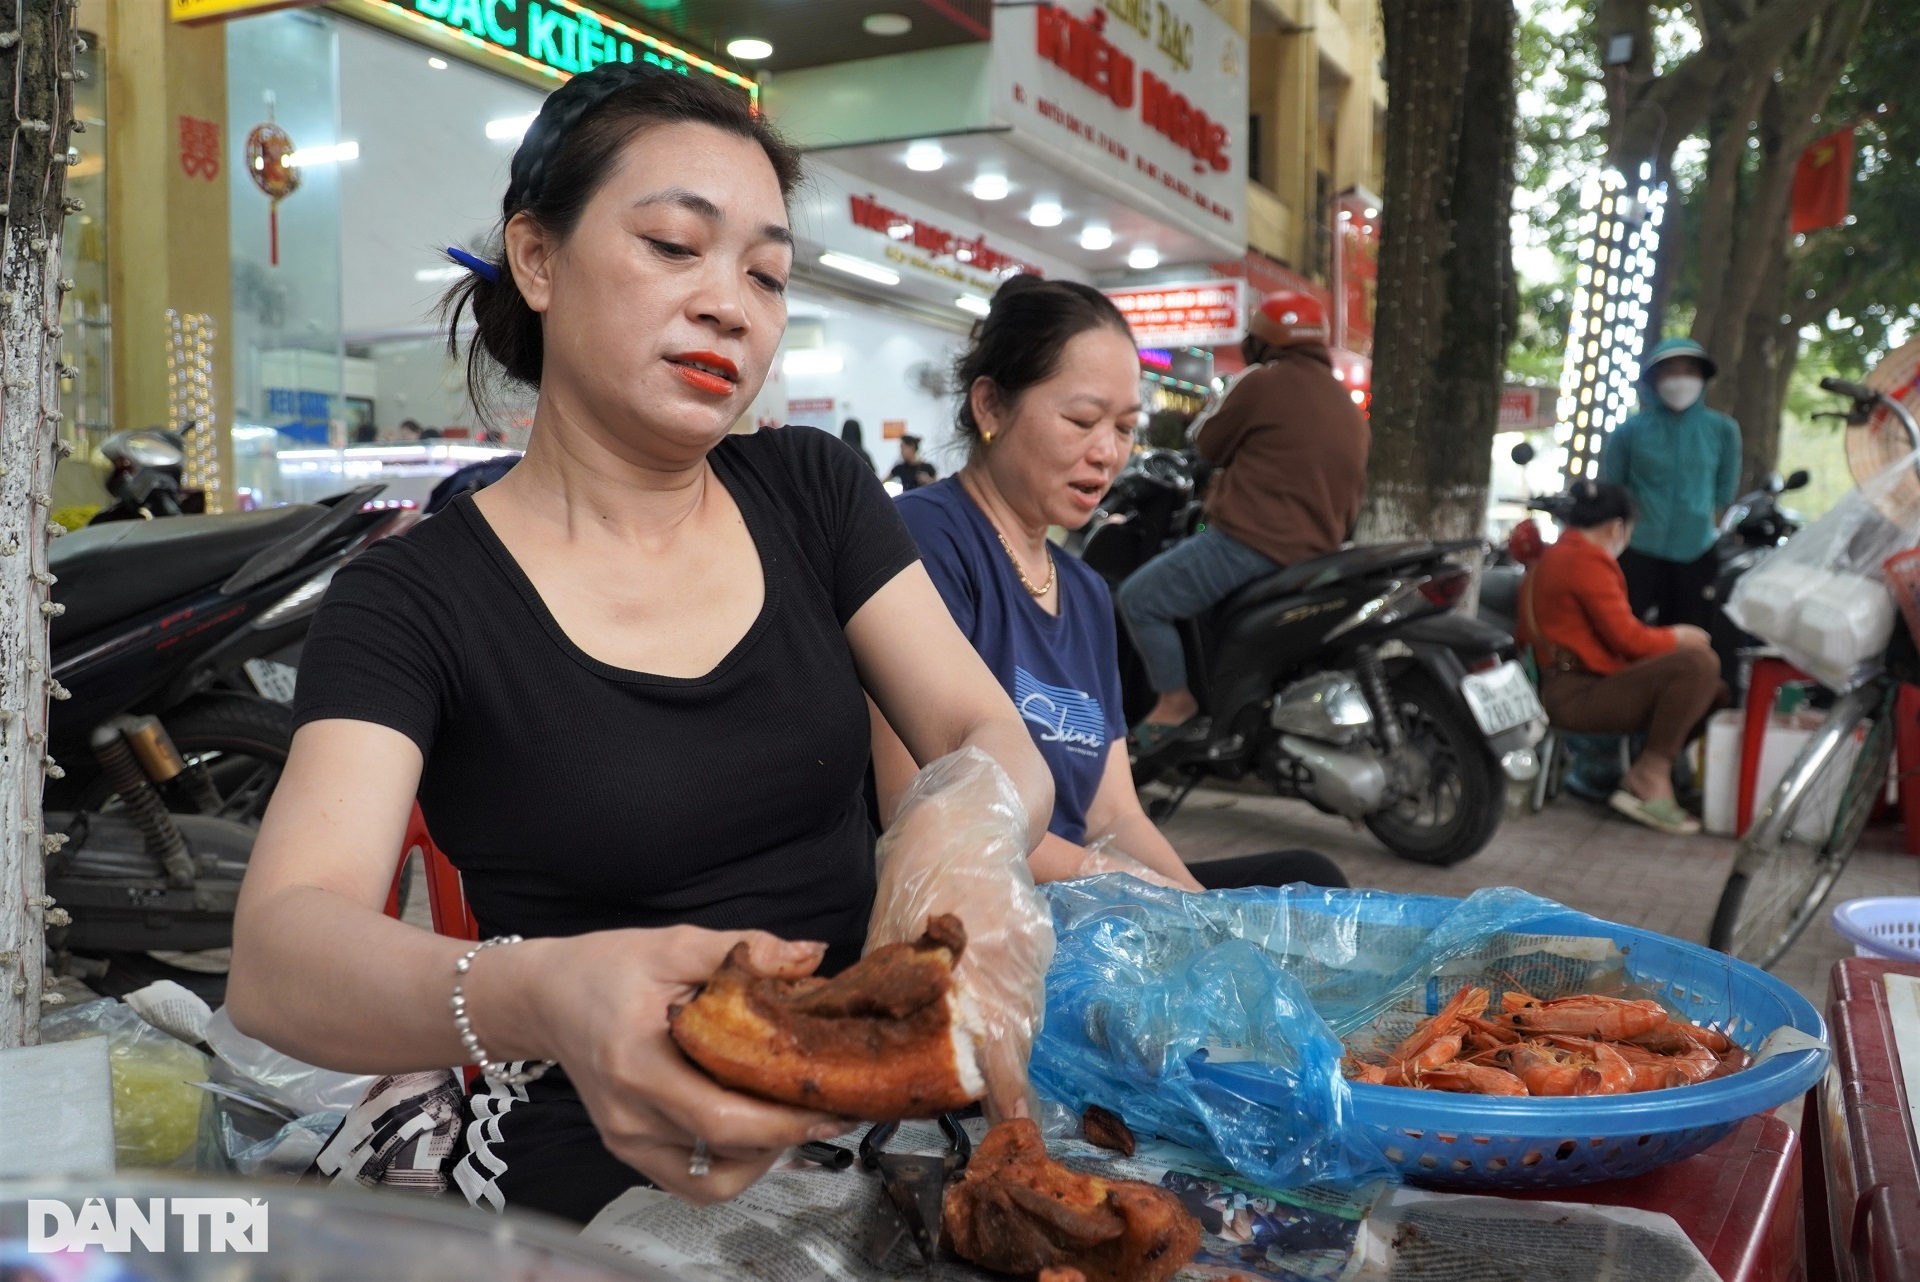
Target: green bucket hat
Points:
(1668, 348)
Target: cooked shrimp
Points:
(1472, 1079)
(1438, 1040)
(1652, 1071)
(1614, 1019)
(1677, 1037)
(1564, 1065)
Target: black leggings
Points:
(1274, 868)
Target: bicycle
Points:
(1803, 836)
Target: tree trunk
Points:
(1445, 266)
(40, 63)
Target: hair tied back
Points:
(478, 266)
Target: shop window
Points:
(86, 346)
(1256, 170)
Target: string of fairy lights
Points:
(1613, 286)
(33, 285)
(190, 399)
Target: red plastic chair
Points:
(446, 900)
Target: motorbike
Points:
(147, 476)
(1348, 680)
(172, 641)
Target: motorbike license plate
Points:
(1502, 699)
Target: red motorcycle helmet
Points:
(1524, 543)
(1289, 316)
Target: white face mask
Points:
(1679, 391)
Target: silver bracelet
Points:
(490, 1070)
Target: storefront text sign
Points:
(556, 38)
(1520, 410)
(937, 241)
(1198, 314)
(1147, 96)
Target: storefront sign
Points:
(1520, 410)
(810, 405)
(936, 241)
(937, 256)
(1147, 96)
(892, 429)
(1356, 269)
(1197, 314)
(212, 10)
(558, 39)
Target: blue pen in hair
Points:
(478, 266)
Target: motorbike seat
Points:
(1318, 572)
(122, 569)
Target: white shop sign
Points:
(1146, 96)
(934, 253)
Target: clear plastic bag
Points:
(1822, 598)
(157, 1113)
(256, 1068)
(958, 844)
(1145, 979)
(1103, 856)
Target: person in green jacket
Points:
(1682, 462)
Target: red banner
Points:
(1821, 182)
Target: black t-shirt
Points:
(575, 796)
(912, 475)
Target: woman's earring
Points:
(986, 436)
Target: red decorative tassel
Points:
(273, 233)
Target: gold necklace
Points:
(1053, 570)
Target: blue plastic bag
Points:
(1145, 979)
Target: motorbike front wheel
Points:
(1458, 809)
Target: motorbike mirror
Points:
(1798, 481)
(1773, 483)
(146, 447)
(1522, 454)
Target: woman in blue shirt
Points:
(1050, 399)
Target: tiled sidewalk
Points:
(1575, 852)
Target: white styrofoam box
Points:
(1720, 781)
(56, 1110)
(1767, 597)
(1844, 621)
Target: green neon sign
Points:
(559, 38)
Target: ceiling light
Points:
(438, 64)
(332, 154)
(1372, 212)
(973, 303)
(1095, 236)
(1045, 213)
(509, 128)
(748, 49)
(1143, 258)
(925, 157)
(886, 24)
(452, 271)
(990, 187)
(811, 360)
(859, 267)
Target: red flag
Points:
(1821, 181)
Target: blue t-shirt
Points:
(1062, 671)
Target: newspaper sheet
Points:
(803, 1223)
(1415, 1236)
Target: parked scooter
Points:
(1347, 680)
(147, 476)
(162, 747)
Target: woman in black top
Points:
(624, 682)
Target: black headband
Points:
(564, 108)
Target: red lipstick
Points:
(708, 372)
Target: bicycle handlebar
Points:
(1854, 390)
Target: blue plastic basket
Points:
(1488, 1142)
(1885, 926)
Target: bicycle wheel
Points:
(1800, 841)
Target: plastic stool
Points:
(446, 898)
(1763, 689)
(1906, 749)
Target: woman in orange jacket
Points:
(1602, 671)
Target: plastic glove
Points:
(1103, 856)
(958, 844)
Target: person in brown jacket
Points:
(1291, 450)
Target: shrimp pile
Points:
(1583, 1045)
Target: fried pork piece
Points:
(1019, 1212)
(1107, 1129)
(881, 1041)
(1062, 1275)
